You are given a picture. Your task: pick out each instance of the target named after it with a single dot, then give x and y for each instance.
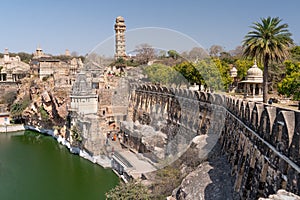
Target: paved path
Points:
(11, 128)
(139, 165)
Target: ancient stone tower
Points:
(6, 56)
(120, 28)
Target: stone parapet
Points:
(261, 141)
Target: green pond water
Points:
(36, 167)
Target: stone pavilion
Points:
(252, 85)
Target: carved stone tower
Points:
(120, 28)
(38, 52)
(6, 56)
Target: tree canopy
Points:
(290, 85)
(268, 41)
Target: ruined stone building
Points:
(12, 69)
(120, 29)
(83, 100)
(44, 65)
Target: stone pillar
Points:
(259, 89)
(253, 89)
(9, 77)
(248, 88)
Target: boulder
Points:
(282, 195)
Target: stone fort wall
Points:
(262, 142)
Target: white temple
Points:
(252, 85)
(12, 69)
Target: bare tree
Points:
(74, 54)
(237, 52)
(215, 50)
(197, 53)
(145, 53)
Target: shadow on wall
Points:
(221, 181)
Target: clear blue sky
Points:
(79, 25)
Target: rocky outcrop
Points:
(282, 195)
(211, 180)
(47, 104)
(145, 139)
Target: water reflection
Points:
(34, 166)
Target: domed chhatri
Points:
(254, 74)
(253, 83)
(120, 19)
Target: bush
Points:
(18, 107)
(130, 190)
(44, 114)
(166, 180)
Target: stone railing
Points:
(262, 141)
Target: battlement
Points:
(261, 141)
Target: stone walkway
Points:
(139, 165)
(104, 161)
(11, 128)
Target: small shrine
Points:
(233, 75)
(252, 85)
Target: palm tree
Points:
(268, 41)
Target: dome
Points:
(254, 74)
(254, 71)
(120, 19)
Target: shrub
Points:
(44, 114)
(17, 108)
(130, 190)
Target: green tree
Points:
(290, 85)
(224, 71)
(127, 191)
(295, 53)
(268, 41)
(159, 73)
(210, 73)
(242, 65)
(189, 72)
(173, 54)
(120, 61)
